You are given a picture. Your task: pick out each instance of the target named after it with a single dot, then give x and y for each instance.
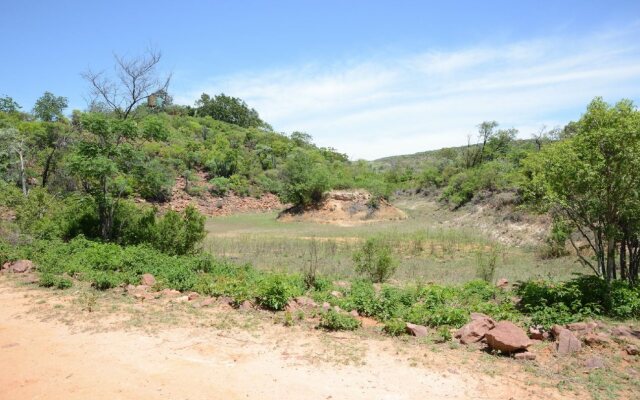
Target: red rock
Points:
(527, 355)
(181, 299)
(354, 313)
(632, 350)
(147, 279)
(538, 334)
(208, 301)
(326, 306)
(507, 337)
(556, 329)
(502, 283)
(170, 292)
(192, 296)
(19, 267)
(225, 300)
(142, 288)
(568, 343)
(417, 330)
(336, 294)
(594, 363)
(475, 330)
(625, 331)
(304, 301)
(595, 339)
(246, 305)
(291, 306)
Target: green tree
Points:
(8, 105)
(49, 107)
(592, 180)
(305, 178)
(229, 109)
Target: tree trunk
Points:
(611, 260)
(23, 178)
(623, 259)
(47, 167)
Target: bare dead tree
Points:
(134, 80)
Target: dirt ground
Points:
(52, 347)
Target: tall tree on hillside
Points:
(229, 109)
(135, 79)
(49, 107)
(8, 105)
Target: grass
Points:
(425, 250)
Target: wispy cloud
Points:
(377, 107)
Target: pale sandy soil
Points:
(50, 348)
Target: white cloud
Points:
(380, 107)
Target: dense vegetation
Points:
(68, 185)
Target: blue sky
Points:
(371, 78)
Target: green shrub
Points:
(219, 186)
(58, 282)
(335, 321)
(177, 234)
(305, 178)
(374, 260)
(395, 327)
(276, 290)
(155, 181)
(102, 280)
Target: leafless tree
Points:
(134, 80)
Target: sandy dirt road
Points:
(43, 356)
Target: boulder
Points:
(291, 306)
(475, 330)
(556, 329)
(568, 343)
(417, 330)
(625, 331)
(170, 292)
(326, 306)
(19, 267)
(354, 313)
(507, 337)
(595, 339)
(582, 328)
(246, 305)
(527, 355)
(336, 294)
(148, 280)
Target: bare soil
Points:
(53, 347)
(345, 208)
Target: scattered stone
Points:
(538, 334)
(148, 280)
(417, 330)
(354, 313)
(326, 306)
(208, 301)
(246, 305)
(291, 306)
(142, 288)
(507, 337)
(192, 296)
(582, 328)
(170, 292)
(337, 309)
(502, 283)
(475, 330)
(594, 363)
(336, 294)
(225, 300)
(527, 355)
(625, 331)
(18, 267)
(568, 343)
(181, 299)
(130, 288)
(632, 350)
(595, 339)
(304, 301)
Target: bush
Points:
(179, 235)
(395, 327)
(58, 282)
(335, 321)
(276, 291)
(374, 260)
(155, 181)
(219, 186)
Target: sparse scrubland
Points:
(80, 198)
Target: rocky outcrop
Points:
(475, 330)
